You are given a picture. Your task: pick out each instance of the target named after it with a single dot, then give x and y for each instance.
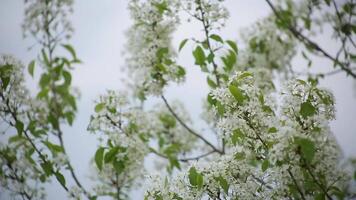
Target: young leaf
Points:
(233, 45)
(199, 56)
(109, 156)
(99, 155)
(182, 44)
(60, 178)
(192, 176)
(211, 83)
(195, 178)
(31, 67)
(236, 92)
(224, 184)
(71, 50)
(307, 148)
(216, 38)
(265, 165)
(47, 168)
(99, 107)
(307, 109)
(19, 127)
(236, 135)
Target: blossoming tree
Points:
(271, 143)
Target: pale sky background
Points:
(99, 40)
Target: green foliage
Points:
(237, 93)
(182, 44)
(237, 136)
(307, 148)
(216, 38)
(99, 107)
(99, 156)
(199, 56)
(31, 67)
(60, 178)
(195, 178)
(223, 184)
(307, 109)
(19, 127)
(232, 45)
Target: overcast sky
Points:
(99, 40)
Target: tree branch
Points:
(306, 41)
(188, 128)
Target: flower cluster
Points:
(270, 154)
(47, 16)
(125, 130)
(151, 57)
(267, 47)
(18, 175)
(12, 87)
(212, 12)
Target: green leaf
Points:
(44, 81)
(307, 148)
(54, 121)
(54, 148)
(60, 178)
(199, 56)
(211, 83)
(216, 38)
(195, 178)
(181, 71)
(71, 50)
(99, 107)
(19, 127)
(47, 168)
(161, 52)
(236, 92)
(239, 156)
(161, 7)
(67, 78)
(307, 109)
(233, 45)
(31, 67)
(265, 165)
(109, 156)
(5, 82)
(224, 184)
(319, 196)
(236, 135)
(220, 108)
(229, 61)
(244, 75)
(182, 44)
(272, 130)
(168, 120)
(174, 162)
(70, 117)
(99, 155)
(210, 57)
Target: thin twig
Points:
(187, 127)
(311, 43)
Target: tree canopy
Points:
(261, 141)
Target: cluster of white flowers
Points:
(47, 16)
(125, 129)
(270, 154)
(18, 175)
(130, 129)
(266, 47)
(212, 12)
(151, 57)
(12, 77)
